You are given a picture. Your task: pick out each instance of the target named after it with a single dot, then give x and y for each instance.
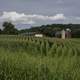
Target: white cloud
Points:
(15, 17)
(56, 17)
(28, 19)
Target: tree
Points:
(9, 28)
(0, 31)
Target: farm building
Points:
(63, 34)
(38, 35)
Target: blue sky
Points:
(39, 12)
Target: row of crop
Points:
(20, 66)
(43, 47)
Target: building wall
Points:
(63, 34)
(38, 35)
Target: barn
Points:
(63, 33)
(38, 35)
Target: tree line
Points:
(47, 30)
(50, 30)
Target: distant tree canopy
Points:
(47, 30)
(50, 30)
(9, 28)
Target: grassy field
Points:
(29, 58)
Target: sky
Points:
(27, 13)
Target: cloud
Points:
(15, 17)
(42, 17)
(28, 19)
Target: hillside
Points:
(49, 30)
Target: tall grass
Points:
(30, 58)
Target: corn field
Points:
(30, 58)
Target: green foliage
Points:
(9, 28)
(30, 58)
(50, 30)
